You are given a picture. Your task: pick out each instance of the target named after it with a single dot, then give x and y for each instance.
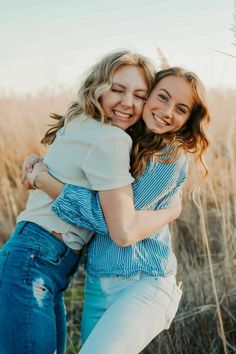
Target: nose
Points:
(168, 111)
(127, 100)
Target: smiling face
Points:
(123, 102)
(169, 105)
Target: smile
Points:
(159, 120)
(122, 115)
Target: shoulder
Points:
(108, 142)
(110, 131)
(96, 132)
(110, 135)
(167, 170)
(107, 162)
(176, 162)
(103, 130)
(183, 159)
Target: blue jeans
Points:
(35, 269)
(122, 315)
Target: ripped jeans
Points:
(35, 269)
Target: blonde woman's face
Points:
(124, 101)
(169, 105)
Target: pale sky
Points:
(50, 43)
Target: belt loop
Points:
(21, 226)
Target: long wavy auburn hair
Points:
(97, 81)
(166, 148)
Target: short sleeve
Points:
(107, 163)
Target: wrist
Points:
(39, 179)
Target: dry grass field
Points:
(204, 237)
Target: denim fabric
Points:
(35, 269)
(122, 315)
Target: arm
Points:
(82, 207)
(48, 184)
(126, 225)
(35, 175)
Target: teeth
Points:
(159, 120)
(121, 114)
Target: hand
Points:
(27, 167)
(31, 175)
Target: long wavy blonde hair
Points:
(166, 148)
(97, 81)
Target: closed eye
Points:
(115, 90)
(141, 97)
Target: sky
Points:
(49, 44)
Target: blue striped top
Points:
(155, 189)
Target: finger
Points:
(25, 184)
(30, 167)
(30, 161)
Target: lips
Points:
(159, 120)
(122, 115)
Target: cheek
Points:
(103, 102)
(106, 102)
(147, 121)
(139, 109)
(145, 110)
(180, 123)
(141, 106)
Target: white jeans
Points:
(123, 315)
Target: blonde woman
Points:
(131, 293)
(89, 148)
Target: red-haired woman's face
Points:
(169, 105)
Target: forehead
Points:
(178, 88)
(130, 75)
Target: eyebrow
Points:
(169, 95)
(124, 87)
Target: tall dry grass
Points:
(204, 237)
(23, 121)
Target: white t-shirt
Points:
(87, 153)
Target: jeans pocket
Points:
(48, 256)
(173, 306)
(3, 260)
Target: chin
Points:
(121, 126)
(159, 131)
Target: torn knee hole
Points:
(39, 291)
(39, 288)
